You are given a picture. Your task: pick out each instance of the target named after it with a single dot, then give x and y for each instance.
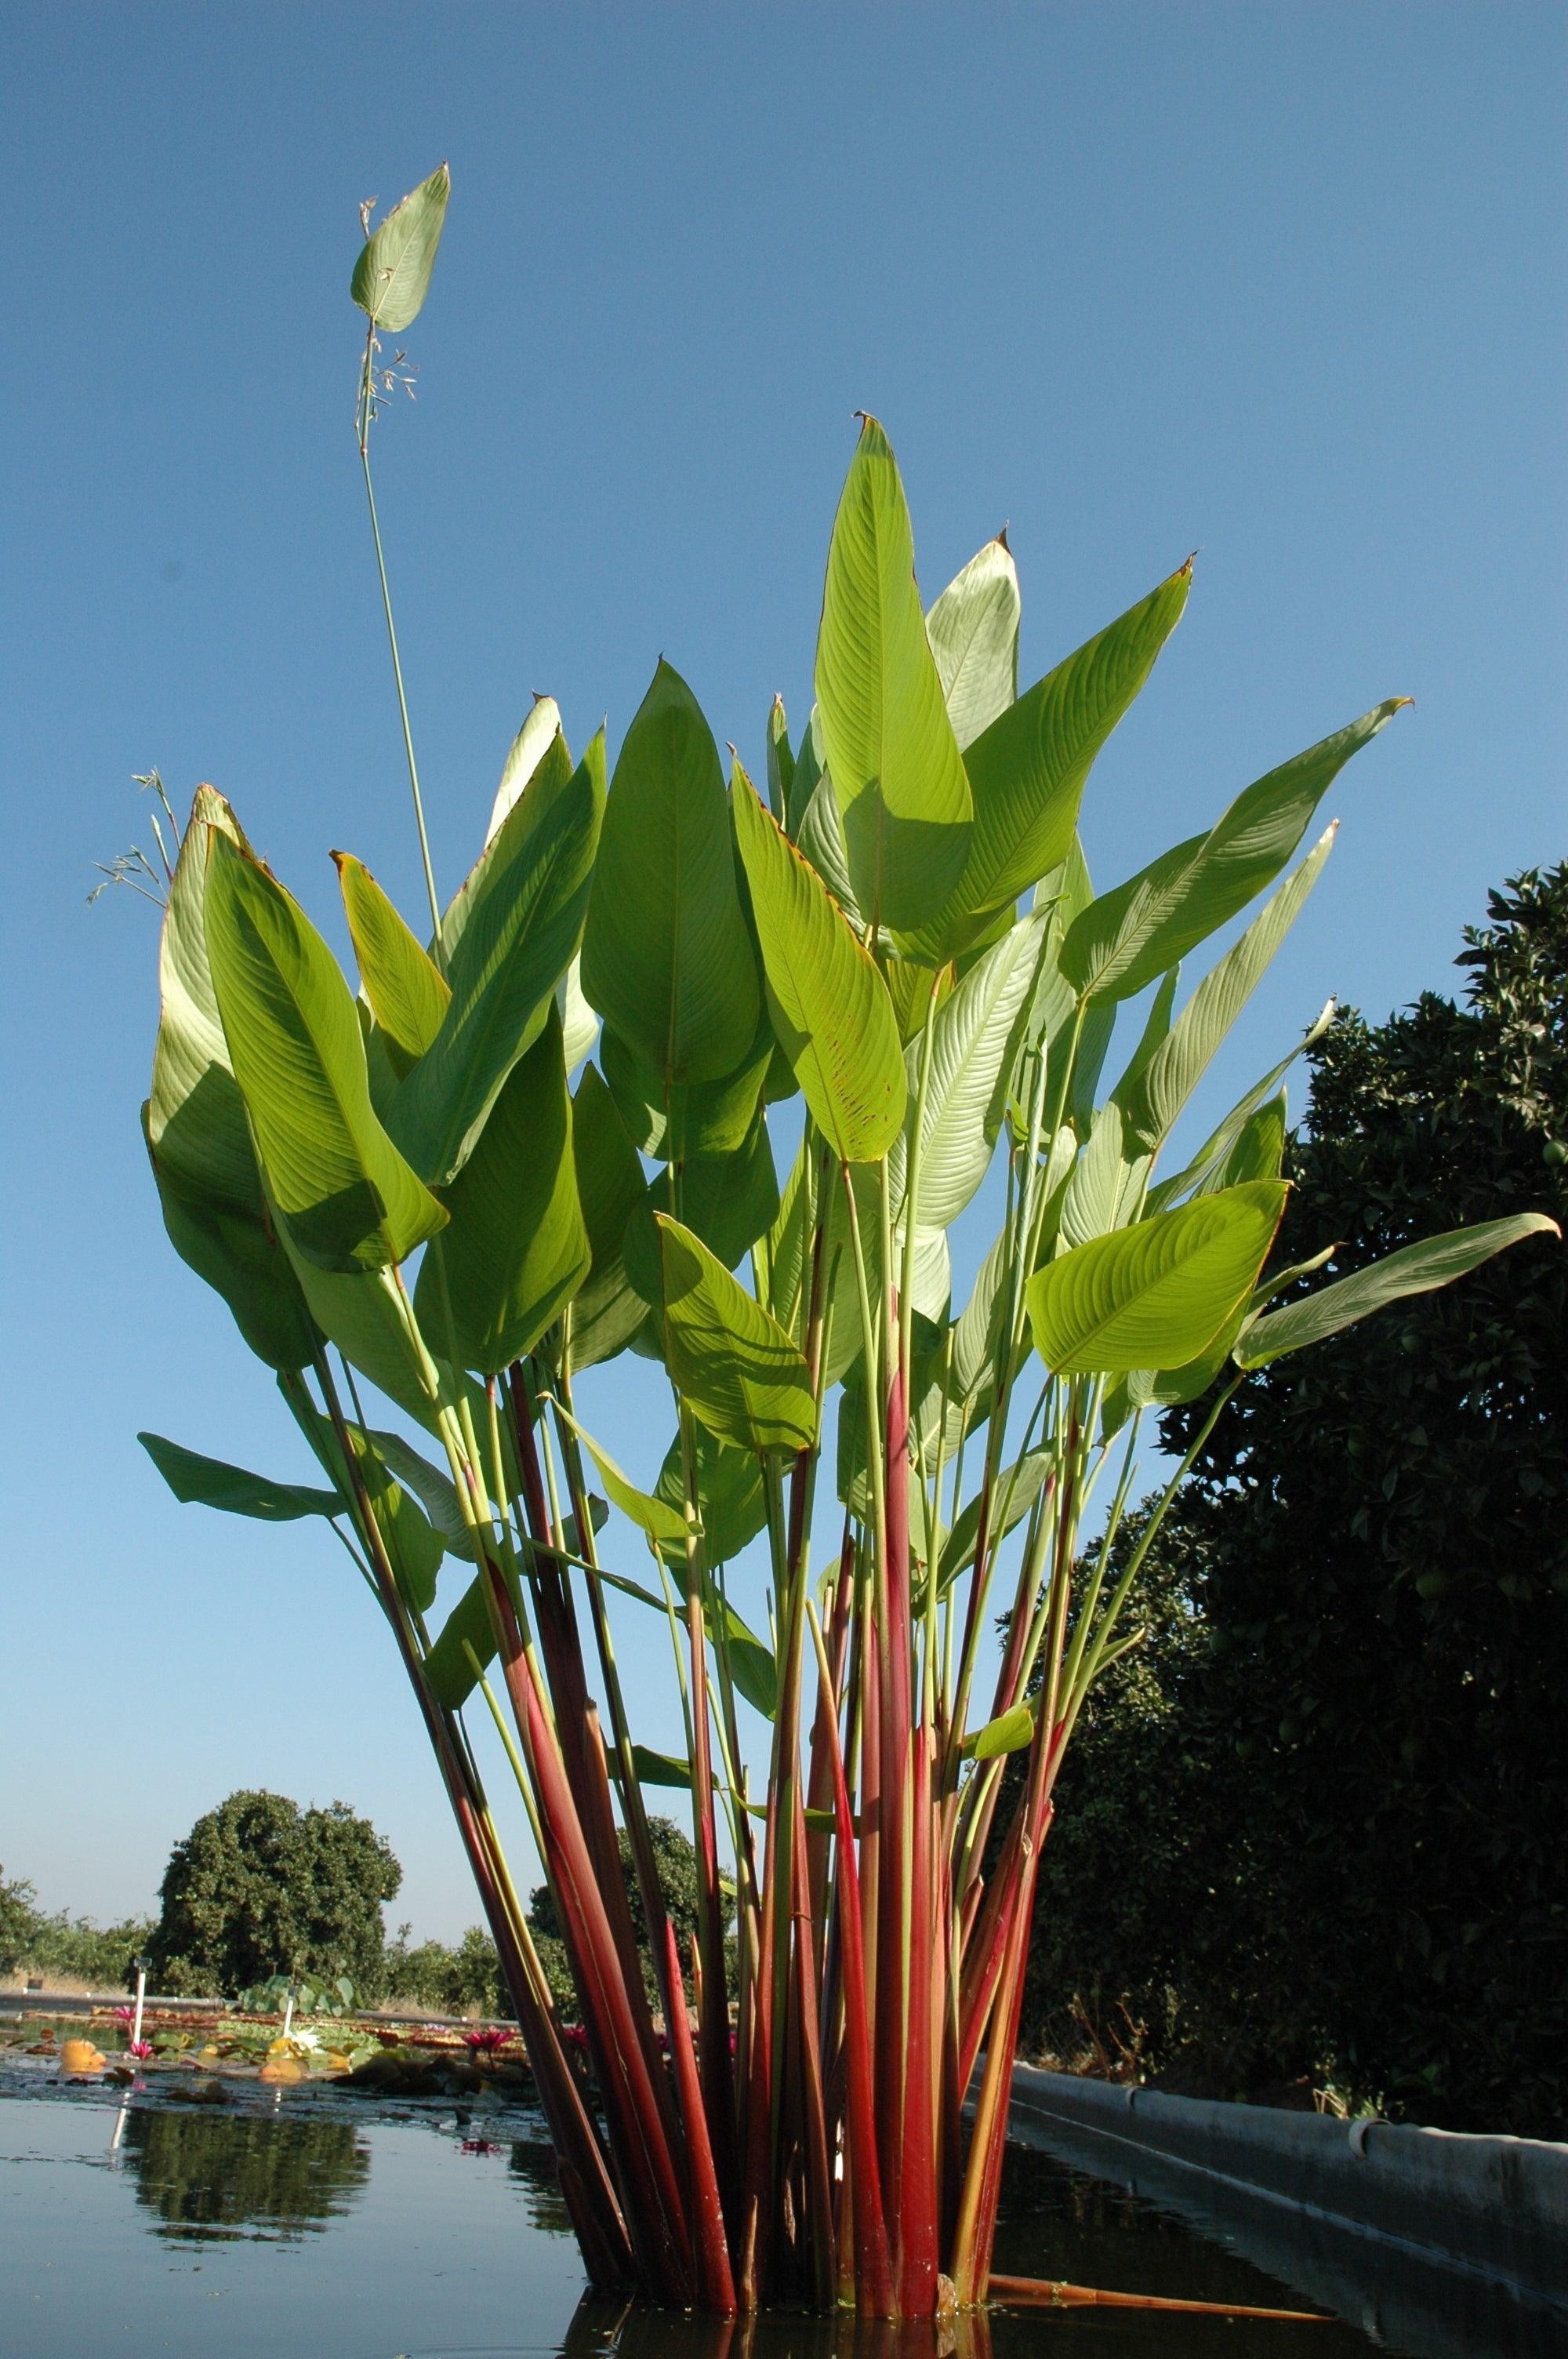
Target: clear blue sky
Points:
(1282, 283)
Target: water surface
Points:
(302, 2221)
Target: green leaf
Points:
(751, 1664)
(1027, 770)
(547, 775)
(522, 926)
(661, 1769)
(820, 838)
(196, 1125)
(1011, 1733)
(436, 1491)
(780, 761)
(680, 1120)
(1153, 1296)
(727, 1200)
(1414, 1269)
(607, 1311)
(1103, 1190)
(210, 1482)
(392, 276)
(730, 1497)
(515, 1250)
(664, 1525)
(358, 1313)
(1129, 936)
(977, 1032)
(889, 744)
(973, 631)
(1017, 1488)
(579, 1025)
(830, 1006)
(446, 1667)
(404, 988)
(344, 1193)
(240, 1258)
(1210, 1159)
(527, 750)
(1153, 1096)
(666, 958)
(732, 1362)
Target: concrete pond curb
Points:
(1465, 2226)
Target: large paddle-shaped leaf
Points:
(731, 1363)
(1152, 1095)
(1129, 934)
(1414, 1269)
(549, 772)
(406, 990)
(392, 276)
(527, 750)
(830, 1006)
(522, 925)
(240, 1258)
(1154, 1295)
(730, 1495)
(890, 750)
(607, 1311)
(1027, 770)
(196, 1122)
(973, 631)
(345, 1195)
(515, 1250)
(666, 958)
(358, 1312)
(976, 1033)
(211, 1483)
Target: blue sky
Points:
(1280, 284)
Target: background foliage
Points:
(64, 1949)
(259, 1886)
(1314, 1826)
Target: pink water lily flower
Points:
(489, 2042)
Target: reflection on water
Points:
(608, 2330)
(207, 2173)
(533, 2165)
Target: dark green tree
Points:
(261, 1887)
(1318, 1829)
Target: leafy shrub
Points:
(444, 1981)
(61, 1948)
(260, 1888)
(1314, 1825)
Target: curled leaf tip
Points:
(1002, 538)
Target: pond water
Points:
(301, 2220)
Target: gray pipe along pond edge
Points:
(1434, 2241)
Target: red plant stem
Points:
(892, 1893)
(655, 2211)
(753, 2242)
(582, 1747)
(1043, 2293)
(591, 2198)
(818, 2171)
(918, 2254)
(714, 2283)
(874, 2274)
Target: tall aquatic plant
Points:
(399, 1193)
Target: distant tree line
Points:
(1313, 1827)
